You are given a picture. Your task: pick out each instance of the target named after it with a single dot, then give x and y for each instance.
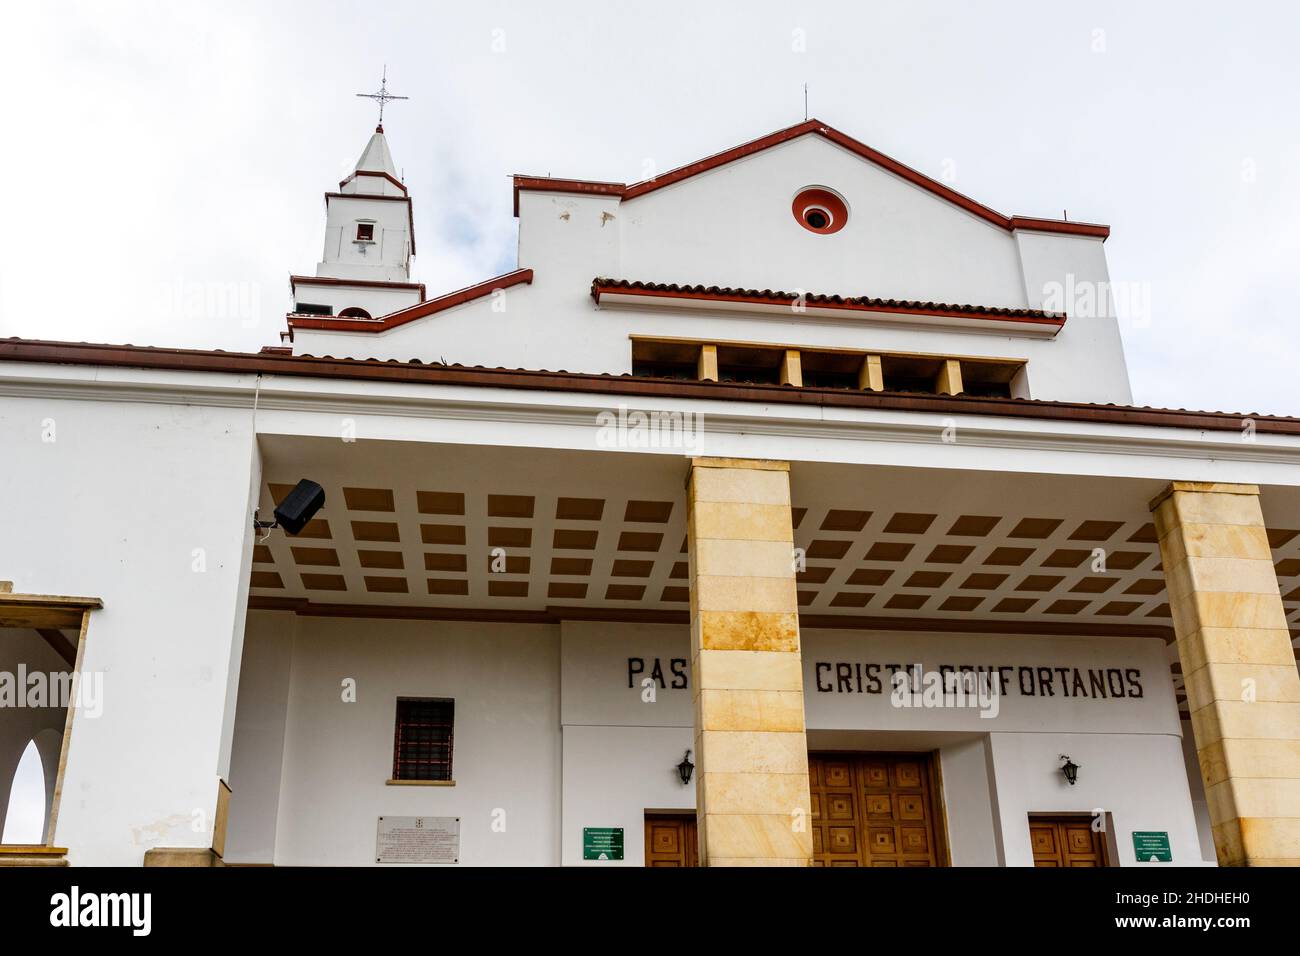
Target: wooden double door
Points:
(1065, 841)
(868, 809)
(875, 809)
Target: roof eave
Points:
(328, 368)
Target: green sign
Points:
(602, 843)
(1152, 846)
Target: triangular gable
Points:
(817, 128)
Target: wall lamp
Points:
(298, 507)
(1070, 769)
(685, 769)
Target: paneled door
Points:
(670, 840)
(874, 809)
(1065, 841)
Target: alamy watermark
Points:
(232, 301)
(62, 689)
(1130, 302)
(938, 689)
(633, 428)
(133, 911)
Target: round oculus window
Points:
(820, 211)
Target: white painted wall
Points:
(619, 749)
(1196, 787)
(596, 675)
(338, 756)
(733, 227)
(124, 504)
(973, 838)
(387, 257)
(257, 761)
(612, 776)
(375, 301)
(829, 707)
(1071, 271)
(622, 744)
(551, 326)
(1138, 778)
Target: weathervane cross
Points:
(383, 96)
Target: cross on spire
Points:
(383, 96)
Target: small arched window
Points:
(354, 313)
(27, 815)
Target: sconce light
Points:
(685, 769)
(1070, 769)
(298, 507)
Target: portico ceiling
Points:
(410, 528)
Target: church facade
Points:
(789, 508)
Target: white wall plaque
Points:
(418, 840)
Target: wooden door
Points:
(874, 810)
(670, 840)
(1065, 841)
(836, 820)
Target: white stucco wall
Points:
(549, 325)
(257, 761)
(377, 302)
(622, 744)
(146, 506)
(973, 833)
(733, 227)
(612, 776)
(620, 748)
(338, 756)
(1196, 786)
(387, 257)
(1139, 779)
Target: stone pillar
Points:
(752, 779)
(1243, 690)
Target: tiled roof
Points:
(861, 303)
(415, 371)
(330, 323)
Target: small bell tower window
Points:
(365, 232)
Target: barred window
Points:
(422, 738)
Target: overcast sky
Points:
(158, 154)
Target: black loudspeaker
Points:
(300, 506)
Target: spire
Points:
(376, 158)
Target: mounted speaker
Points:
(300, 506)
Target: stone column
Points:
(1243, 690)
(752, 780)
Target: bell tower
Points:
(364, 271)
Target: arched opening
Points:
(28, 805)
(354, 313)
